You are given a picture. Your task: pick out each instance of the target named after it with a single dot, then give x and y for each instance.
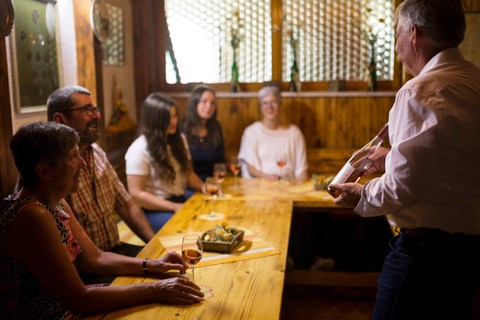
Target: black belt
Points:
(441, 236)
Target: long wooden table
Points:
(248, 289)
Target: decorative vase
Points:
(234, 85)
(295, 84)
(372, 71)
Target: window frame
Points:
(276, 14)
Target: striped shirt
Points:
(101, 192)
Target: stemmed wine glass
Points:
(281, 162)
(219, 172)
(211, 185)
(192, 251)
(235, 167)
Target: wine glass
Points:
(192, 251)
(219, 172)
(211, 185)
(281, 162)
(235, 167)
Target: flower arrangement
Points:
(236, 30)
(237, 25)
(293, 41)
(370, 30)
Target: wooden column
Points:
(89, 59)
(149, 54)
(8, 171)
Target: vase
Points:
(295, 84)
(234, 85)
(372, 71)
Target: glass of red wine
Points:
(235, 167)
(192, 251)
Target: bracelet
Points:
(145, 270)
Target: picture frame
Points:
(35, 54)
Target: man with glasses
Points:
(101, 191)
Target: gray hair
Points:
(40, 142)
(269, 91)
(442, 21)
(61, 99)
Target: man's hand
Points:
(378, 160)
(350, 193)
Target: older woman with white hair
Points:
(271, 148)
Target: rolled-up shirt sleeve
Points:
(411, 165)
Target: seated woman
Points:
(269, 143)
(158, 162)
(203, 132)
(42, 243)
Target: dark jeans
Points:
(123, 248)
(158, 219)
(427, 279)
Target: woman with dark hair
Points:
(42, 245)
(203, 132)
(158, 162)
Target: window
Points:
(331, 37)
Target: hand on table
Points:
(272, 177)
(350, 193)
(170, 261)
(177, 290)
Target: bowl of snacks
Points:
(222, 238)
(321, 181)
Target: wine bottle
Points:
(359, 163)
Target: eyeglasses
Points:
(273, 102)
(89, 109)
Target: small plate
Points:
(221, 246)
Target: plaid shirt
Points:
(101, 192)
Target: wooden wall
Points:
(333, 126)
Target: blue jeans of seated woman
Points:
(422, 279)
(158, 219)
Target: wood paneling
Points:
(334, 122)
(8, 171)
(333, 127)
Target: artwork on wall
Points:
(35, 56)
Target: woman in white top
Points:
(267, 142)
(158, 163)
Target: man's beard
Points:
(88, 136)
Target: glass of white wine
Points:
(281, 162)
(212, 187)
(192, 251)
(219, 172)
(235, 167)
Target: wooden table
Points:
(248, 289)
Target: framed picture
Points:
(34, 54)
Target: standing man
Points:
(101, 192)
(431, 186)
